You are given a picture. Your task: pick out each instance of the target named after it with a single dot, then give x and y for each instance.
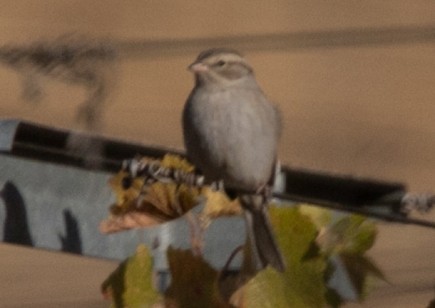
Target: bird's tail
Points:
(260, 232)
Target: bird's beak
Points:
(198, 67)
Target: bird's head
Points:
(220, 66)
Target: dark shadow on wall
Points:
(16, 228)
(71, 242)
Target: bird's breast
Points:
(231, 135)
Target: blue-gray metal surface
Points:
(51, 199)
(48, 200)
(7, 134)
(61, 208)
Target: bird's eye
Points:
(221, 63)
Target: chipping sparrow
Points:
(231, 133)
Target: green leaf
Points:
(319, 216)
(353, 234)
(194, 282)
(360, 269)
(130, 285)
(348, 239)
(334, 299)
(303, 283)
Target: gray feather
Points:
(231, 133)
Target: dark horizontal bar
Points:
(338, 188)
(51, 145)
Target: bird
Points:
(231, 133)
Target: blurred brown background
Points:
(360, 109)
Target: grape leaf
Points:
(319, 216)
(359, 269)
(194, 282)
(130, 285)
(348, 239)
(352, 234)
(303, 283)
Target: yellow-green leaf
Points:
(352, 234)
(319, 216)
(303, 283)
(130, 285)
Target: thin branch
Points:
(399, 218)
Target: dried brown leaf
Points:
(138, 205)
(218, 204)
